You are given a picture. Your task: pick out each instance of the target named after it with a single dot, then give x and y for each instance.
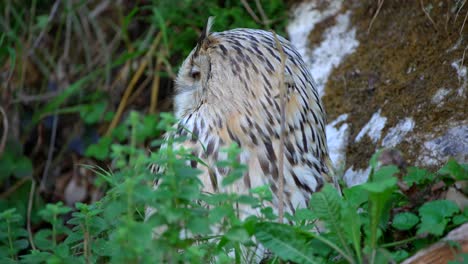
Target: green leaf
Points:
(237, 234)
(382, 180)
(100, 150)
(285, 242)
(405, 221)
(461, 218)
(379, 189)
(92, 113)
(43, 239)
(199, 225)
(352, 226)
(355, 196)
(434, 216)
(23, 167)
(7, 165)
(400, 255)
(455, 170)
(326, 204)
(417, 176)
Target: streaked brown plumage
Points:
(228, 90)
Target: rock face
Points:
(400, 83)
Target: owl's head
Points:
(194, 74)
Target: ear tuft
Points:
(202, 40)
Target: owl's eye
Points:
(195, 73)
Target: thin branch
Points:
(266, 21)
(283, 128)
(30, 203)
(380, 4)
(5, 131)
(459, 9)
(52, 14)
(427, 14)
(50, 152)
(26, 98)
(13, 188)
(251, 12)
(463, 25)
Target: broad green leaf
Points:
(405, 221)
(355, 195)
(461, 218)
(285, 242)
(351, 223)
(454, 169)
(435, 216)
(237, 234)
(199, 225)
(417, 176)
(382, 180)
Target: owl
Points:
(228, 90)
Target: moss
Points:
(398, 68)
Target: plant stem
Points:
(10, 241)
(401, 242)
(54, 240)
(332, 245)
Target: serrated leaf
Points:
(326, 204)
(405, 221)
(284, 241)
(100, 150)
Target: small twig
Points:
(266, 21)
(52, 14)
(427, 14)
(101, 7)
(447, 17)
(68, 30)
(380, 4)
(50, 152)
(464, 21)
(139, 90)
(5, 131)
(26, 98)
(13, 188)
(283, 128)
(30, 203)
(459, 10)
(251, 12)
(463, 56)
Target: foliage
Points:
(190, 226)
(187, 225)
